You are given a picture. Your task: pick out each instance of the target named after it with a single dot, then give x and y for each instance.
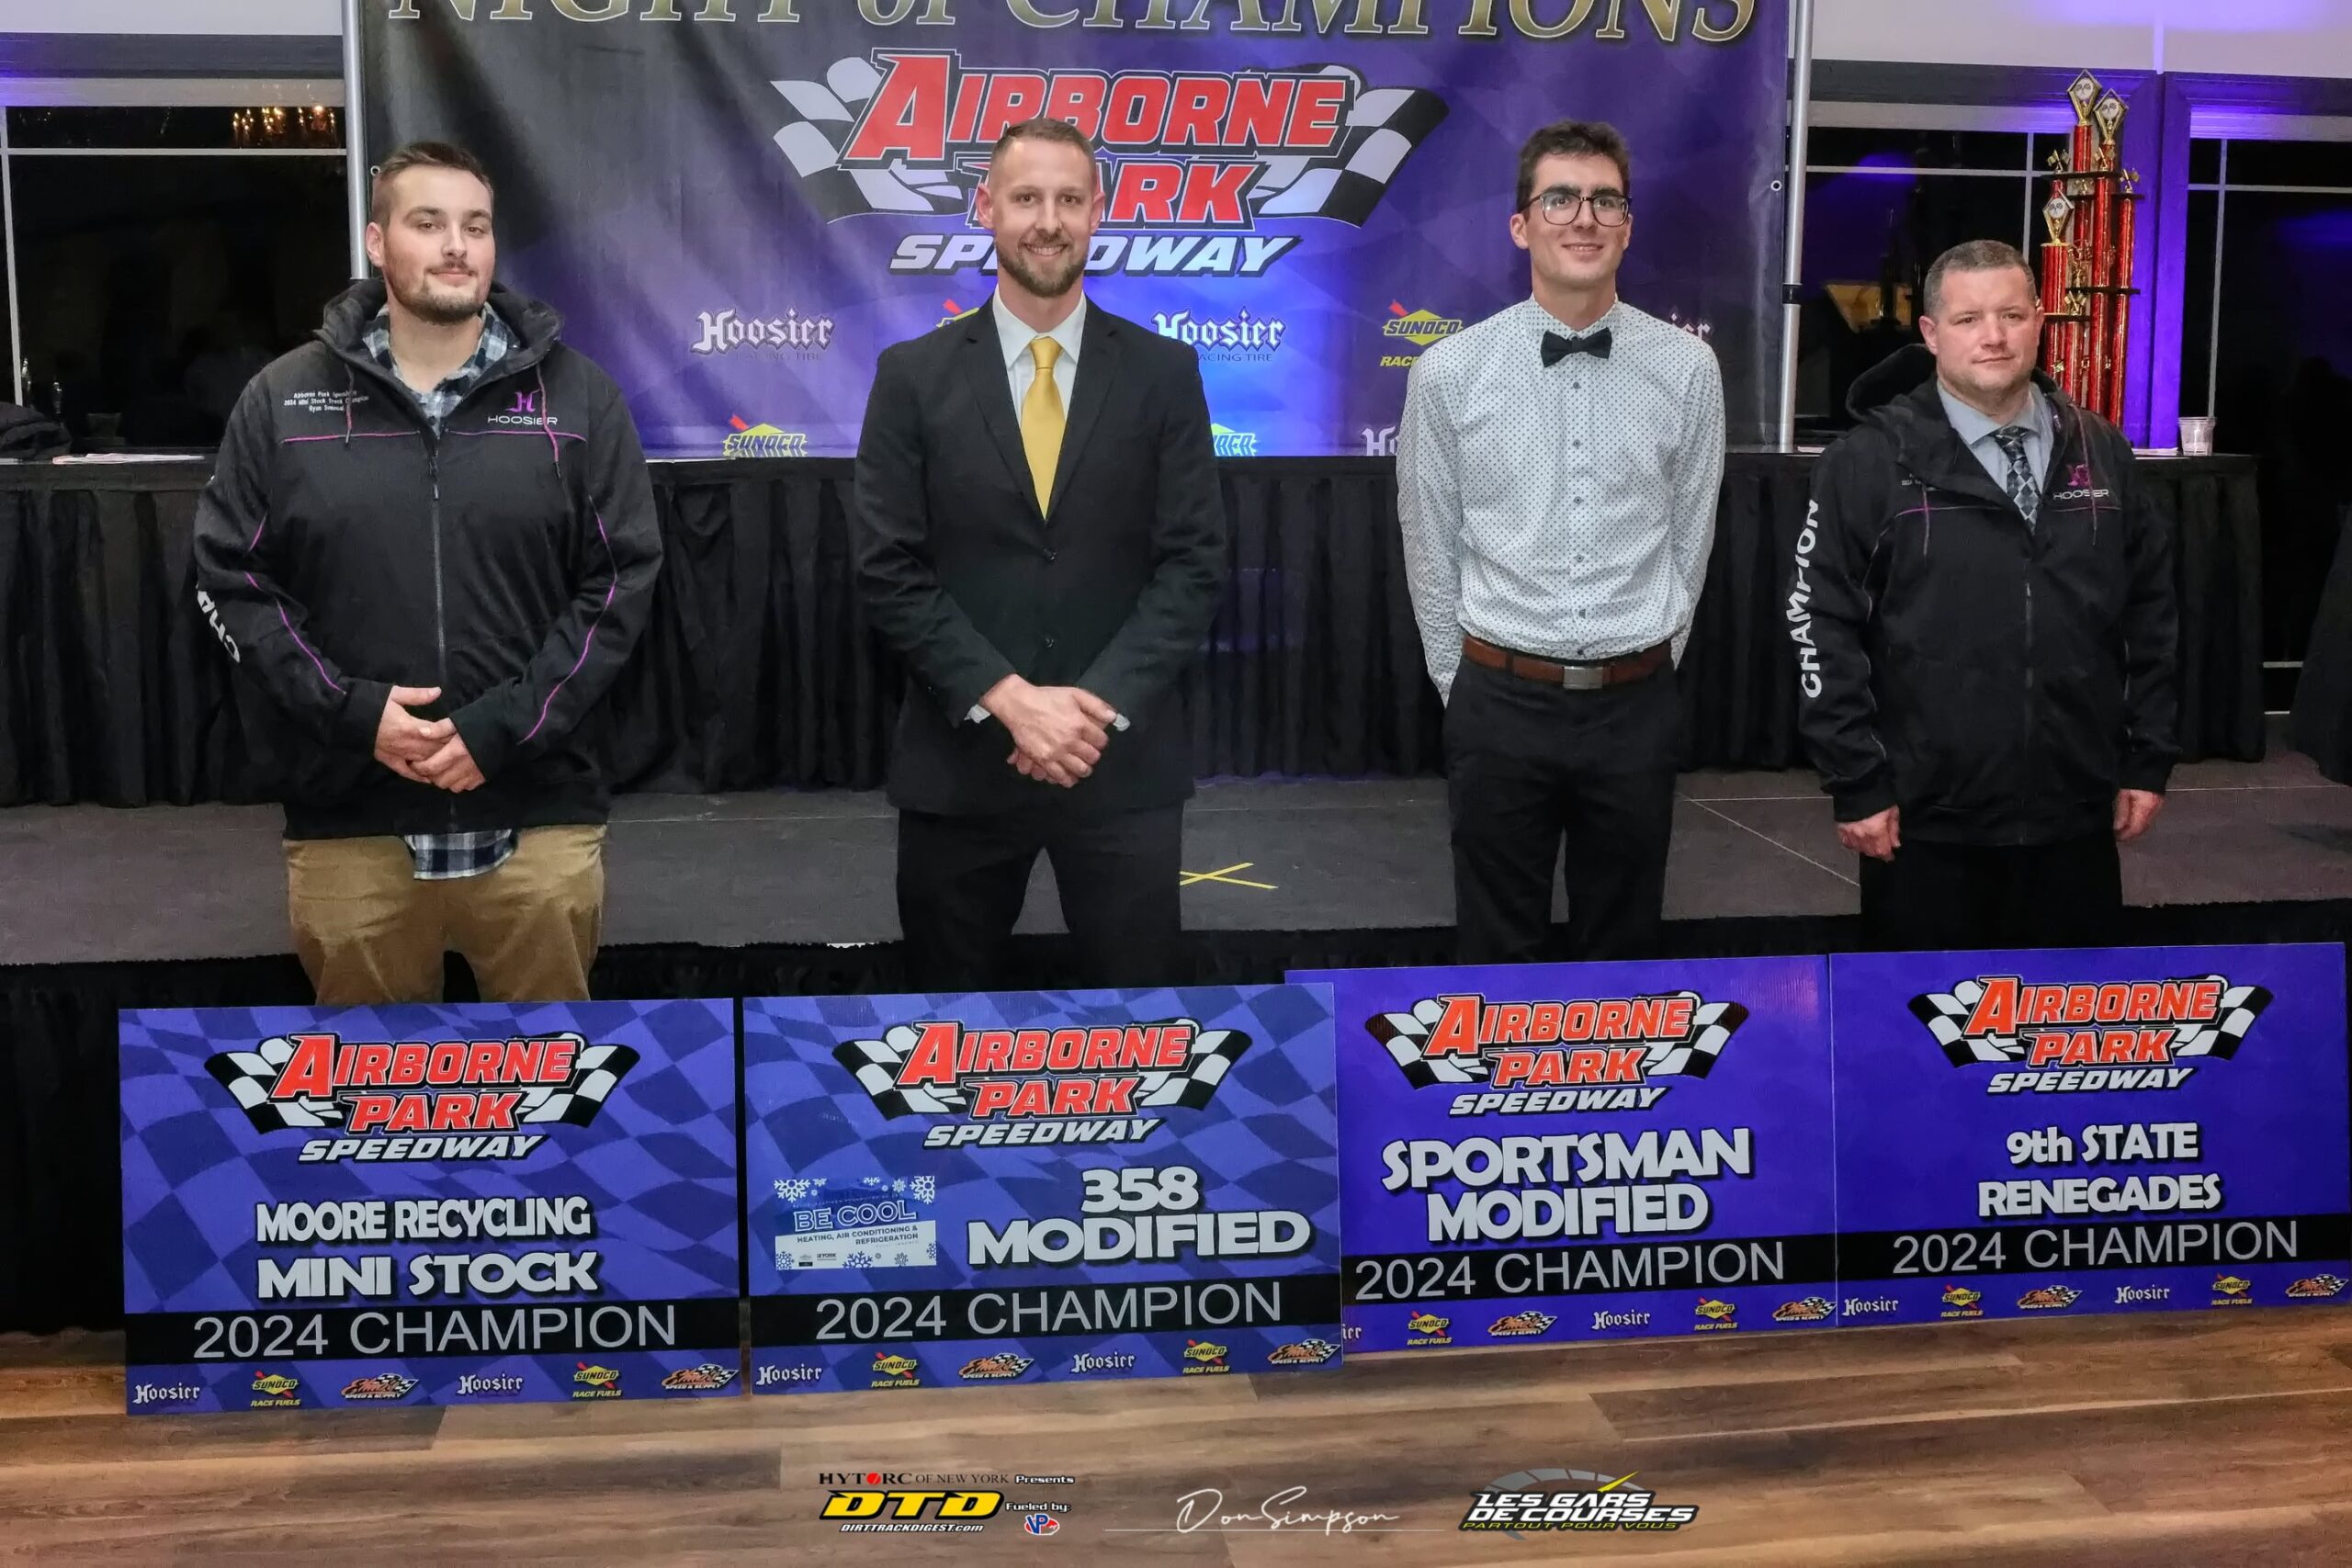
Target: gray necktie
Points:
(2022, 493)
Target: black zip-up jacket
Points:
(1999, 684)
(341, 548)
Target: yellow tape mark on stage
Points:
(1226, 877)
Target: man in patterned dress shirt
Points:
(1558, 470)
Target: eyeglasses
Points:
(1560, 207)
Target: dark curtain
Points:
(757, 672)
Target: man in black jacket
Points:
(429, 545)
(1041, 539)
(1982, 608)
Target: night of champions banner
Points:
(368, 1207)
(1589, 1151)
(964, 1192)
(2024, 1134)
(737, 204)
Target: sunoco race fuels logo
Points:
(1043, 1086)
(2077, 1037)
(496, 1087)
(1197, 160)
(1558, 1056)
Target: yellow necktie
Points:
(1041, 420)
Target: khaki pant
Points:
(368, 932)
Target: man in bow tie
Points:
(1557, 470)
(1042, 540)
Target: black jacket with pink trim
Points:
(343, 549)
(1999, 683)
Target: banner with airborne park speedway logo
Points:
(1556, 1152)
(2034, 1133)
(368, 1207)
(965, 1191)
(737, 204)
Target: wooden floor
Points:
(2140, 1442)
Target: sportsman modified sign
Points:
(2035, 1134)
(428, 1205)
(961, 1190)
(1552, 1152)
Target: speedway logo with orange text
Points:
(1099, 1085)
(1196, 160)
(1543, 1056)
(483, 1094)
(2077, 1037)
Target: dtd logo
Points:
(875, 1503)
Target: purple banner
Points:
(1033, 1186)
(737, 204)
(2029, 1134)
(428, 1205)
(1546, 1153)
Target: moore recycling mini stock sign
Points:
(463, 1204)
(428, 1205)
(1036, 1187)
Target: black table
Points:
(757, 671)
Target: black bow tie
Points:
(1556, 348)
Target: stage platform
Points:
(783, 894)
(812, 869)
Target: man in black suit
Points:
(1042, 539)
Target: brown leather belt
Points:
(1575, 677)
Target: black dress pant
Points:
(962, 881)
(1529, 767)
(1934, 897)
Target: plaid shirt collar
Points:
(497, 342)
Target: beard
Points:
(436, 303)
(1046, 284)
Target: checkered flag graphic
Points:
(1193, 1085)
(876, 1065)
(1383, 126)
(1406, 1036)
(2241, 1005)
(1944, 1014)
(597, 1071)
(248, 1076)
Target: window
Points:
(1880, 207)
(162, 255)
(2267, 351)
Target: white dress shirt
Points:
(1020, 366)
(1021, 370)
(1565, 510)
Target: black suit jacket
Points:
(1110, 589)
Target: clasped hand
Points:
(1058, 732)
(426, 751)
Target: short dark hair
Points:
(1976, 255)
(421, 156)
(1569, 139)
(1045, 128)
